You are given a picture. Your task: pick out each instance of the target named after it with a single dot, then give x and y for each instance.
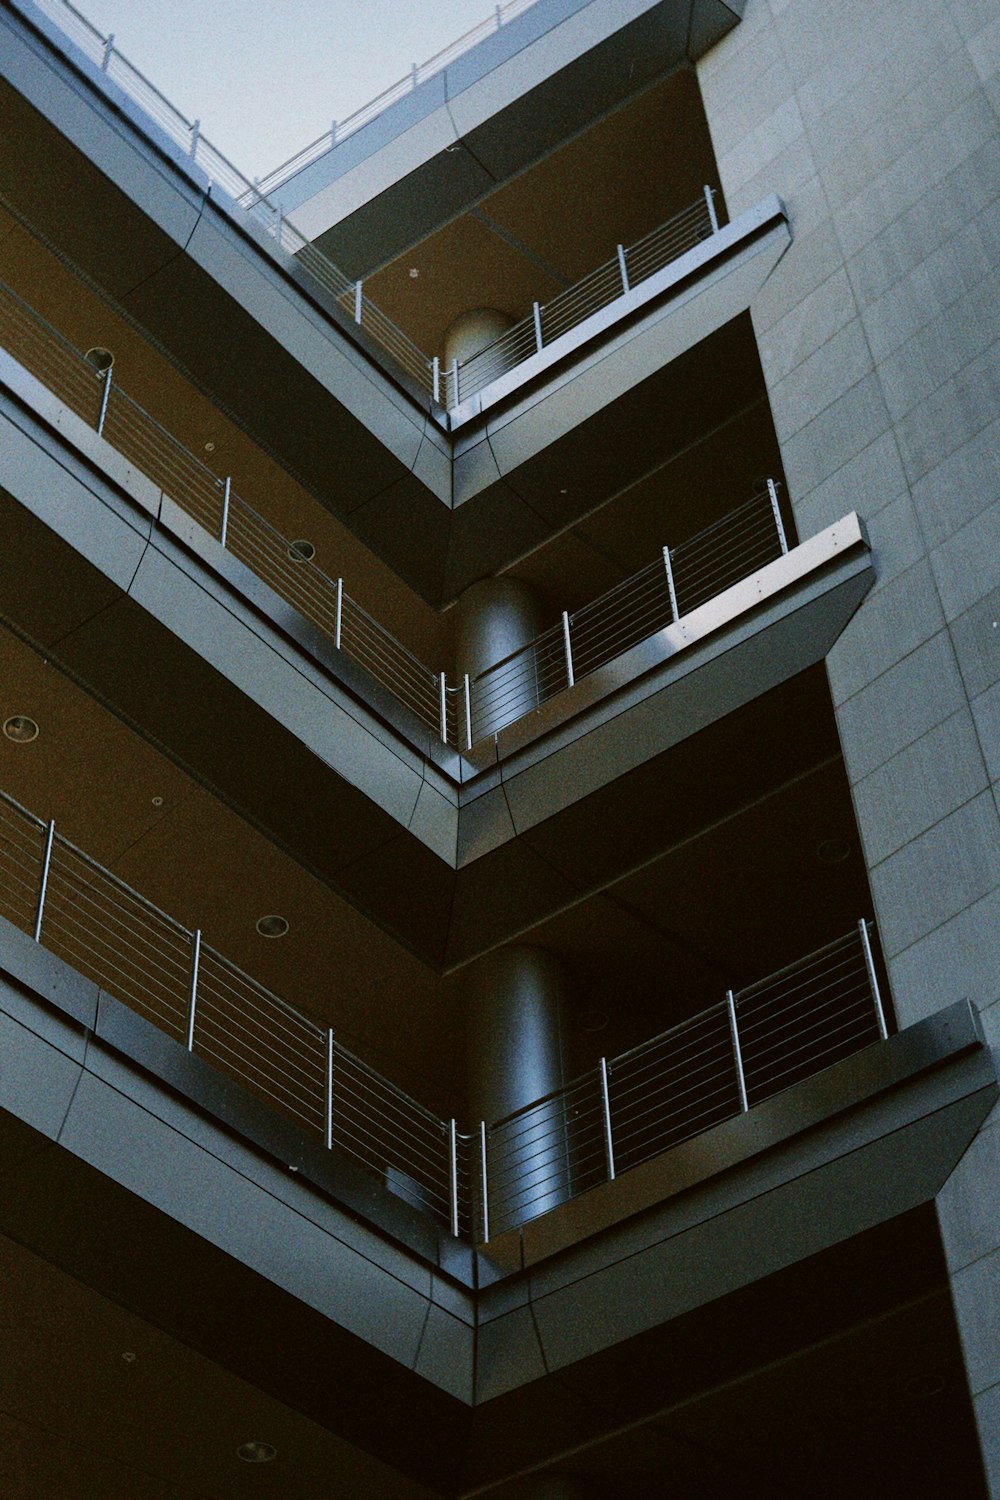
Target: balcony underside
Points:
(543, 77)
(127, 208)
(797, 1227)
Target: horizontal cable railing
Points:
(684, 577)
(141, 956)
(711, 1068)
(460, 714)
(600, 288)
(548, 321)
(210, 500)
(718, 1064)
(419, 73)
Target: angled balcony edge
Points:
(44, 985)
(172, 243)
(865, 1141)
(538, 79)
(74, 483)
(760, 632)
(602, 362)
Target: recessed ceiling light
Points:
(210, 446)
(20, 729)
(922, 1386)
(414, 273)
(129, 1357)
(833, 851)
(256, 1453)
(157, 801)
(102, 359)
(302, 551)
(272, 926)
(593, 1020)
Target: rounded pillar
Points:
(516, 1003)
(495, 618)
(472, 332)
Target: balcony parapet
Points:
(474, 1185)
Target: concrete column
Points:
(515, 1057)
(495, 617)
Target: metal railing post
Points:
(105, 394)
(436, 378)
(195, 134)
(468, 712)
(873, 979)
(224, 527)
(339, 617)
(193, 997)
(453, 1174)
(734, 1030)
(497, 9)
(43, 883)
(109, 48)
(609, 1147)
(536, 313)
(454, 381)
(570, 679)
(713, 217)
(328, 1091)
(623, 268)
(483, 1186)
(357, 301)
(443, 705)
(414, 75)
(772, 490)
(669, 570)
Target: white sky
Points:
(265, 77)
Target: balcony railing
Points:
(210, 500)
(629, 1109)
(460, 714)
(680, 580)
(712, 1068)
(418, 74)
(168, 974)
(449, 387)
(548, 322)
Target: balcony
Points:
(459, 715)
(712, 1068)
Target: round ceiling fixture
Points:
(129, 1357)
(102, 359)
(256, 1453)
(20, 729)
(593, 1020)
(923, 1386)
(157, 801)
(272, 926)
(209, 446)
(833, 851)
(302, 551)
(414, 273)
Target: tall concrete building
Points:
(499, 845)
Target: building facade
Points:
(501, 865)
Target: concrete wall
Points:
(879, 335)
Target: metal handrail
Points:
(162, 969)
(712, 1067)
(686, 576)
(209, 499)
(542, 327)
(608, 283)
